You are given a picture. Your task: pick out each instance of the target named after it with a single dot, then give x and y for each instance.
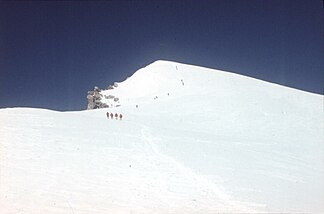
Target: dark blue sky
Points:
(52, 53)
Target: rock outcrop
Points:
(94, 99)
(97, 100)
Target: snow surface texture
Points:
(199, 141)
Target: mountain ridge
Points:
(162, 75)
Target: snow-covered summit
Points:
(163, 78)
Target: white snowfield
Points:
(200, 141)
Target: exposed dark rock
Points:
(91, 105)
(97, 89)
(97, 100)
(94, 99)
(103, 105)
(110, 87)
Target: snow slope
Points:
(200, 141)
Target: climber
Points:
(120, 116)
(107, 115)
(116, 116)
(111, 116)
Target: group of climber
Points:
(111, 115)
